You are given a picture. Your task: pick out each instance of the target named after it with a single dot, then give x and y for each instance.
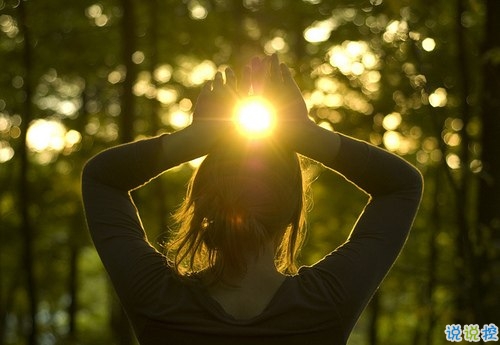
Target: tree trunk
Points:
(24, 188)
(73, 290)
(127, 97)
(374, 315)
(462, 239)
(433, 261)
(159, 194)
(119, 322)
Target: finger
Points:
(256, 63)
(218, 81)
(259, 67)
(286, 74)
(275, 68)
(230, 78)
(207, 87)
(246, 81)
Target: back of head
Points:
(242, 197)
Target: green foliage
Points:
(400, 74)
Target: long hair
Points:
(241, 197)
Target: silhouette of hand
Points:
(273, 80)
(216, 100)
(212, 116)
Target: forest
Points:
(419, 78)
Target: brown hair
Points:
(241, 196)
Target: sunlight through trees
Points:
(418, 78)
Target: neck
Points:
(259, 268)
(247, 294)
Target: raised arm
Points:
(128, 166)
(352, 272)
(114, 223)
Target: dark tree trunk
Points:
(159, 200)
(119, 322)
(468, 270)
(374, 316)
(24, 188)
(127, 97)
(73, 290)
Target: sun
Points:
(255, 117)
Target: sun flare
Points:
(255, 117)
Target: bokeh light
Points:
(45, 135)
(439, 98)
(96, 13)
(428, 44)
(6, 151)
(49, 137)
(197, 10)
(320, 31)
(178, 118)
(392, 121)
(8, 26)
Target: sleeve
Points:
(354, 270)
(136, 269)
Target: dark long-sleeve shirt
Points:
(319, 305)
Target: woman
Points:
(230, 275)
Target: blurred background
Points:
(420, 78)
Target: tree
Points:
(26, 227)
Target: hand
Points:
(274, 81)
(212, 116)
(216, 99)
